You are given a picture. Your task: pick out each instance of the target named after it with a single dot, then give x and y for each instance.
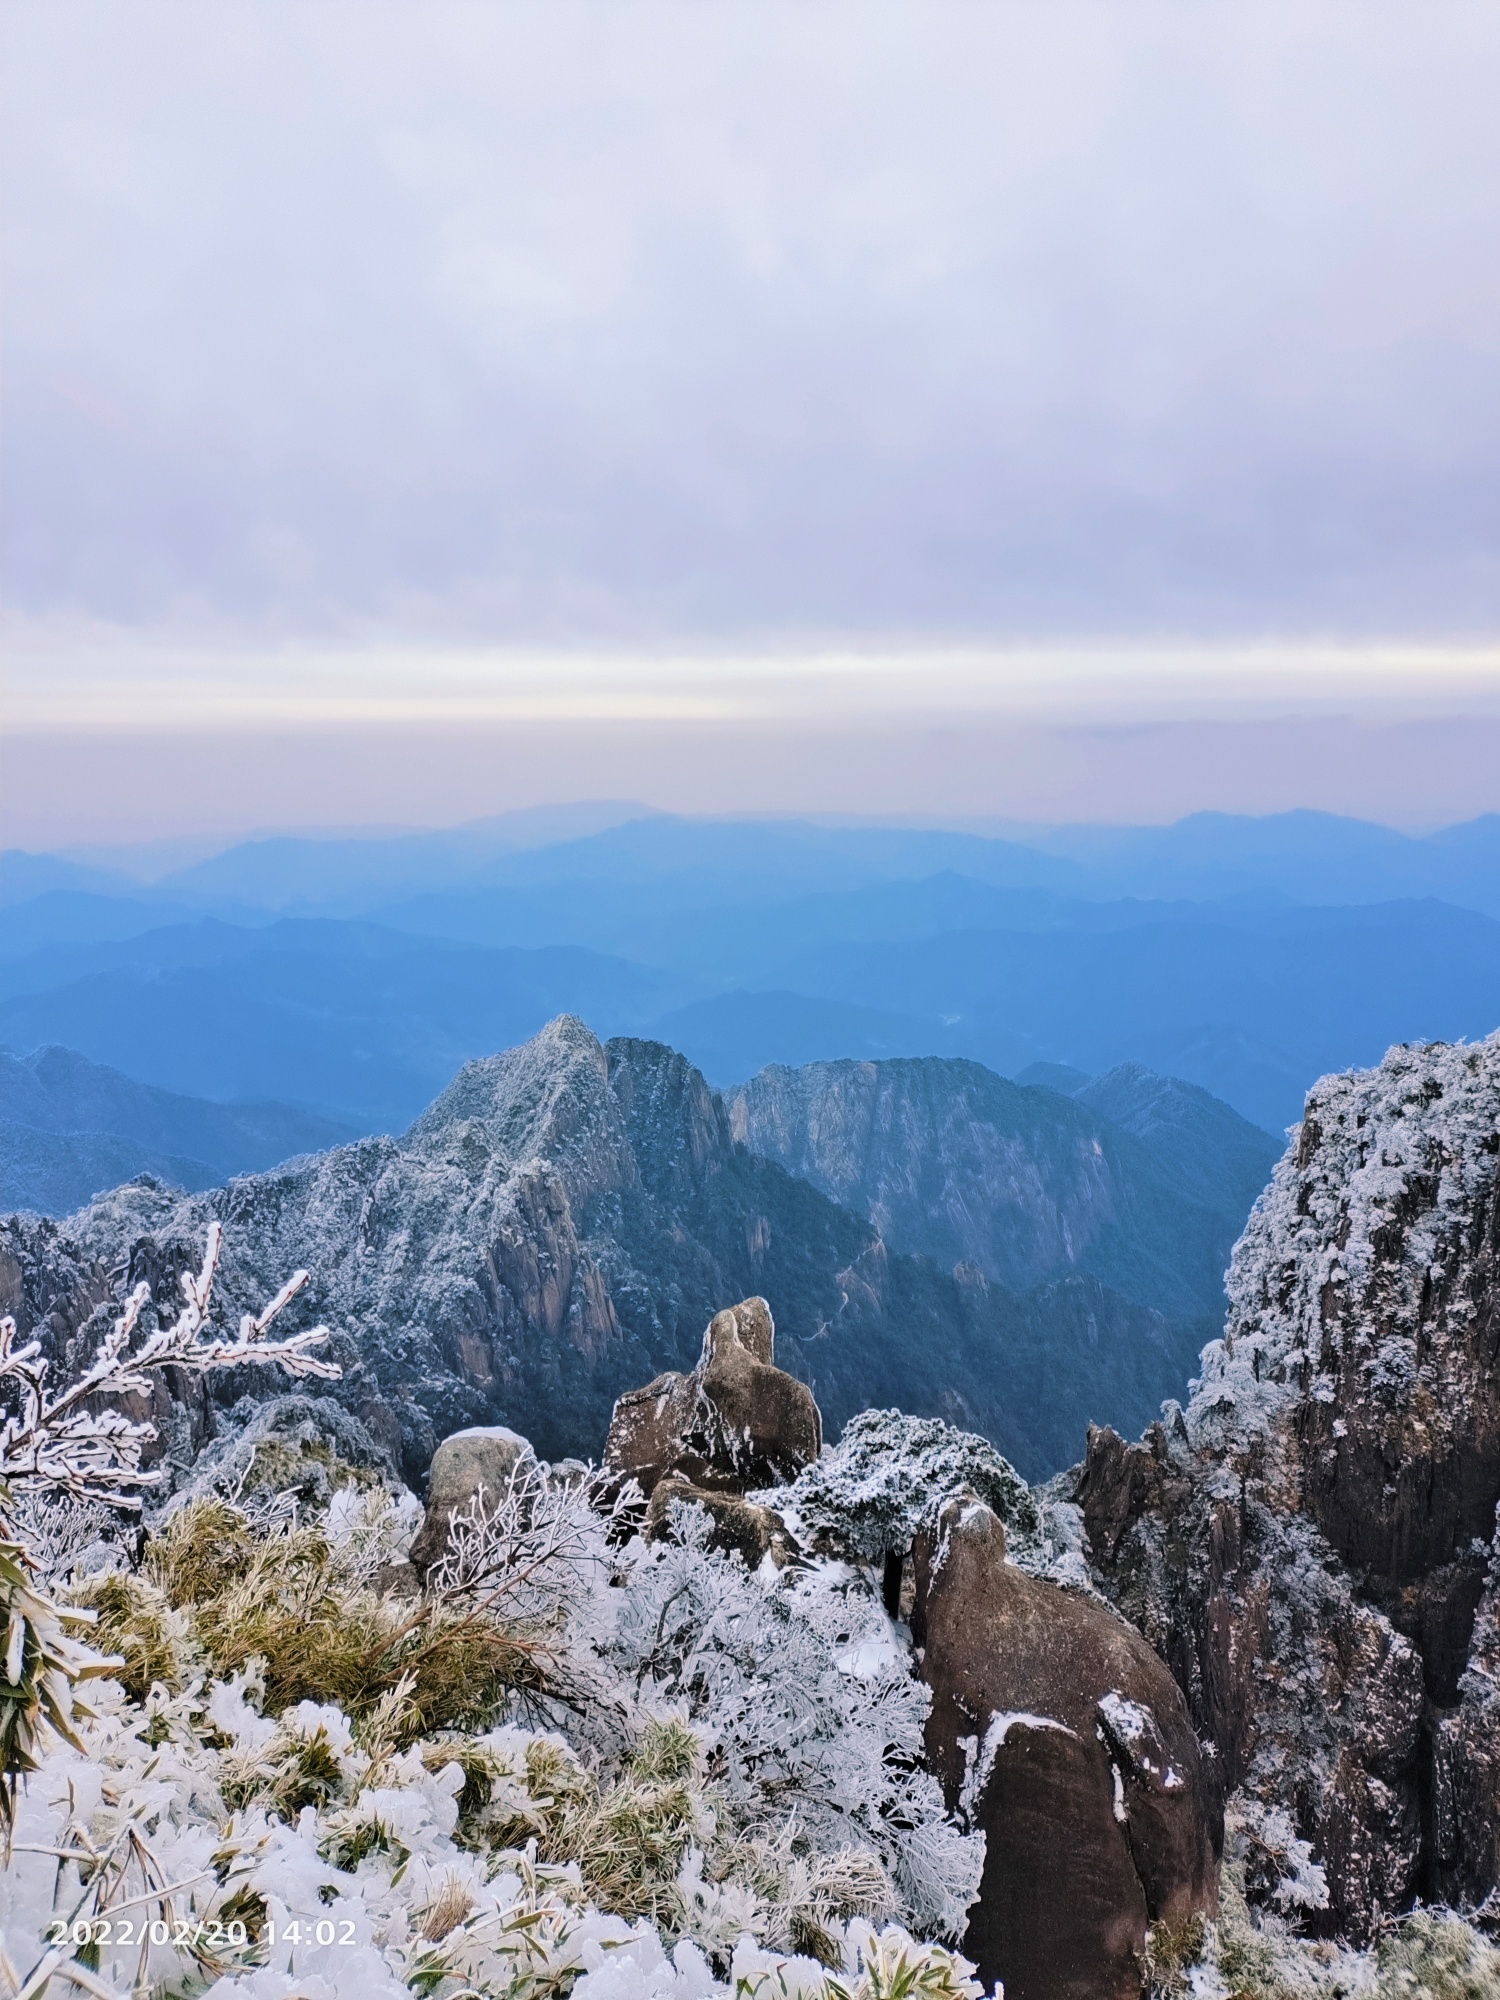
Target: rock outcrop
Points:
(736, 1525)
(467, 1464)
(1312, 1544)
(735, 1423)
(1057, 1730)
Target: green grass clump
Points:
(627, 1837)
(1171, 1951)
(137, 1622)
(320, 1636)
(201, 1551)
(629, 1840)
(629, 1834)
(308, 1467)
(295, 1770)
(1426, 1956)
(1247, 1958)
(1433, 1957)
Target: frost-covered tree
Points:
(57, 1445)
(889, 1474)
(58, 1440)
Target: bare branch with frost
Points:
(518, 1552)
(60, 1445)
(56, 1529)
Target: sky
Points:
(1079, 410)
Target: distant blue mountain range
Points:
(70, 1128)
(352, 976)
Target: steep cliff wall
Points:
(1312, 1544)
(1141, 1182)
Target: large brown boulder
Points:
(735, 1423)
(1057, 1731)
(735, 1525)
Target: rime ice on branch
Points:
(58, 1443)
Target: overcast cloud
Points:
(754, 321)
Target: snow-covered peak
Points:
(547, 1099)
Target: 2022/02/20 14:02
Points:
(188, 1936)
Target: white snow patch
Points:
(1120, 1811)
(1128, 1719)
(980, 1754)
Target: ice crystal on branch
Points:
(519, 1551)
(55, 1446)
(57, 1442)
(803, 1691)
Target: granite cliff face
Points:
(558, 1227)
(1312, 1544)
(1109, 1217)
(1144, 1189)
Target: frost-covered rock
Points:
(751, 1531)
(1312, 1542)
(737, 1421)
(468, 1463)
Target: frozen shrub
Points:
(1278, 1866)
(57, 1446)
(353, 1849)
(888, 1475)
(57, 1441)
(1429, 1955)
(804, 1693)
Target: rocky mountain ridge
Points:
(558, 1226)
(1135, 1179)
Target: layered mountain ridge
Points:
(560, 1224)
(71, 1128)
(1137, 1180)
(1247, 956)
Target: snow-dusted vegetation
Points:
(578, 1762)
(252, 1755)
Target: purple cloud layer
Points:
(764, 317)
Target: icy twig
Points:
(518, 1551)
(58, 1443)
